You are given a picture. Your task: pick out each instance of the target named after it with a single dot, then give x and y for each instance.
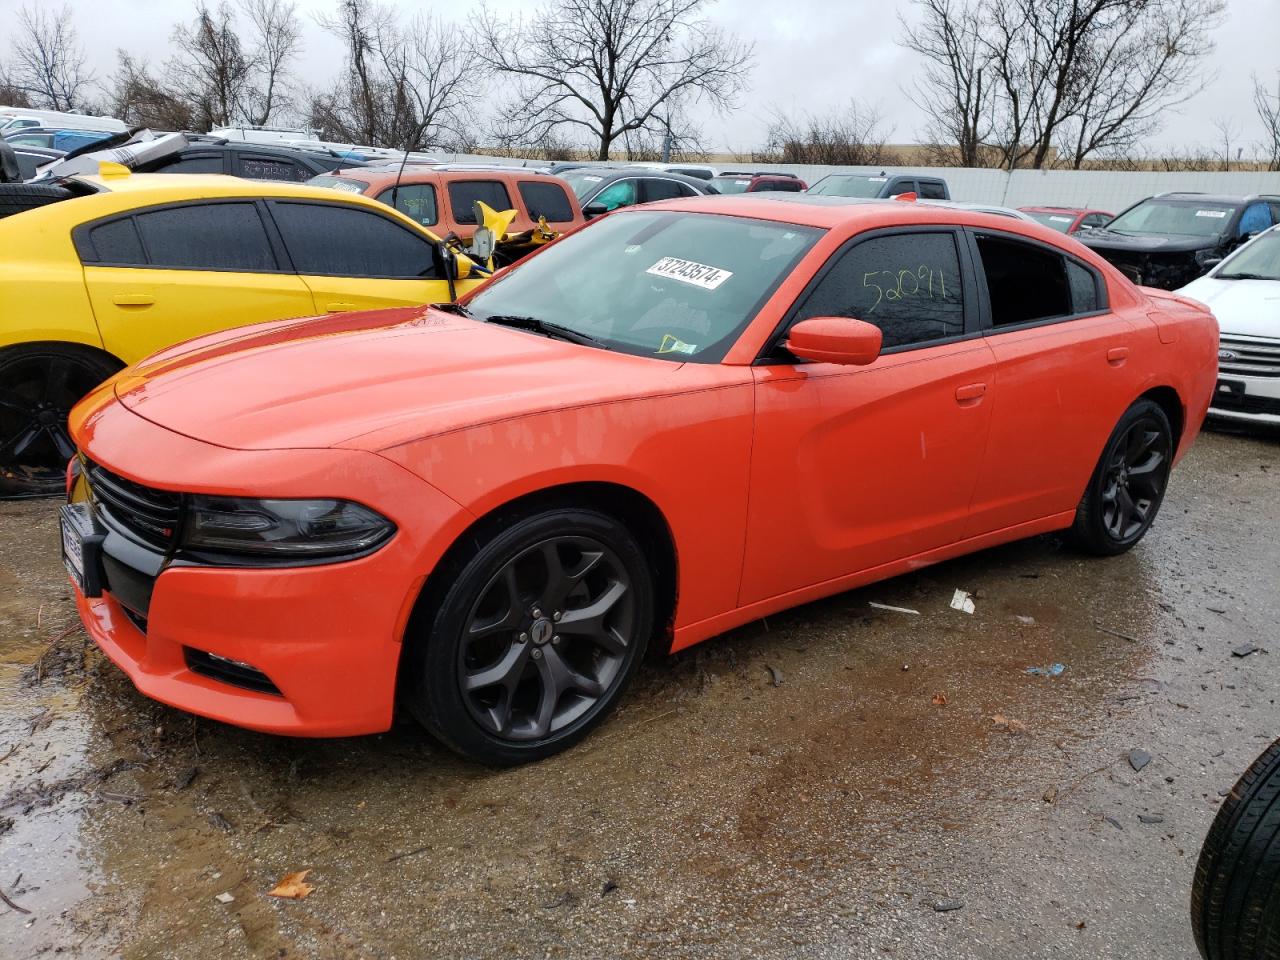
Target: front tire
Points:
(537, 634)
(39, 384)
(1128, 484)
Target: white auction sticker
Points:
(690, 271)
(1060, 219)
(1216, 214)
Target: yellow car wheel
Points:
(39, 384)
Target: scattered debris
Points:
(962, 600)
(292, 887)
(886, 606)
(609, 887)
(1150, 818)
(1244, 649)
(1053, 670)
(222, 823)
(774, 674)
(1138, 759)
(185, 779)
(13, 906)
(1050, 795)
(939, 699)
(1004, 723)
(1115, 633)
(225, 898)
(947, 906)
(1114, 822)
(906, 667)
(1025, 620)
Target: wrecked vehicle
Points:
(685, 418)
(102, 270)
(1168, 240)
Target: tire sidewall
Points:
(435, 695)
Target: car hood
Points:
(372, 379)
(1249, 308)
(1103, 239)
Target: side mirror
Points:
(594, 210)
(835, 340)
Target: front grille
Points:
(151, 515)
(229, 671)
(1249, 356)
(1244, 403)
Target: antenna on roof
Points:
(395, 188)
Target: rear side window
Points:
(208, 163)
(417, 201)
(1024, 282)
(658, 189)
(329, 240)
(463, 193)
(1084, 288)
(932, 190)
(545, 199)
(116, 242)
(908, 285)
(271, 168)
(212, 236)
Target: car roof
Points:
(1044, 209)
(178, 186)
(387, 176)
(1193, 197)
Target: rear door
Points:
(167, 274)
(653, 189)
(352, 258)
(1063, 378)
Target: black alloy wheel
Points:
(39, 384)
(535, 638)
(1129, 482)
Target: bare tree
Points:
(141, 99)
(400, 87)
(610, 68)
(278, 42)
(1268, 107)
(855, 137)
(1228, 132)
(48, 60)
(952, 92)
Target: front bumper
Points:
(1243, 399)
(328, 638)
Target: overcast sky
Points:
(811, 55)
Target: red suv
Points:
(757, 182)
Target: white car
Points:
(1243, 291)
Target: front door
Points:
(854, 467)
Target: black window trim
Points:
(984, 297)
(82, 241)
(773, 353)
(308, 201)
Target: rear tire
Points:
(1128, 484)
(20, 197)
(1235, 897)
(539, 628)
(39, 384)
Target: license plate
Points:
(77, 530)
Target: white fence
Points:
(1099, 189)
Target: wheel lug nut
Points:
(536, 613)
(556, 616)
(524, 638)
(555, 640)
(537, 654)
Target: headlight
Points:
(282, 531)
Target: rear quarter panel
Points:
(1184, 337)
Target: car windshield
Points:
(1189, 218)
(582, 182)
(1258, 260)
(680, 286)
(1058, 221)
(849, 186)
(345, 184)
(731, 184)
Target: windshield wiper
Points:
(457, 308)
(1244, 276)
(546, 328)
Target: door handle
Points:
(133, 300)
(1117, 355)
(339, 306)
(970, 394)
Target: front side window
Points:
(1255, 219)
(906, 284)
(1191, 218)
(546, 199)
(464, 193)
(1025, 283)
(676, 286)
(207, 236)
(617, 195)
(330, 240)
(417, 201)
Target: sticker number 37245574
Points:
(690, 271)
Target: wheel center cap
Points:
(541, 631)
(47, 418)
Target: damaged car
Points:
(1168, 240)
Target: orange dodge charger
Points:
(681, 418)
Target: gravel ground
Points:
(817, 785)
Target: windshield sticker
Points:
(1060, 219)
(877, 179)
(672, 344)
(590, 179)
(690, 271)
(742, 183)
(1216, 214)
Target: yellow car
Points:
(140, 262)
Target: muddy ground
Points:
(822, 808)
